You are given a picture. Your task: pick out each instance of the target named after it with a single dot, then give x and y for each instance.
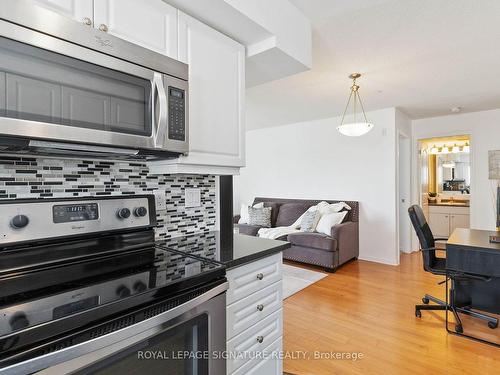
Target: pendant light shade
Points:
(360, 125)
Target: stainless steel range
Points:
(86, 289)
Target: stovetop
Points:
(153, 272)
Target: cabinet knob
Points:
(260, 276)
(260, 339)
(103, 27)
(87, 21)
(260, 307)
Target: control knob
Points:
(140, 211)
(122, 291)
(123, 213)
(139, 287)
(19, 321)
(19, 221)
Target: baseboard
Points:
(391, 262)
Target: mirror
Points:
(453, 173)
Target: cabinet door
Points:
(79, 10)
(216, 94)
(458, 221)
(440, 224)
(149, 23)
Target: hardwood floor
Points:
(369, 308)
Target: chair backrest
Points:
(424, 235)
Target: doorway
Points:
(404, 192)
(445, 183)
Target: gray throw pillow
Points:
(259, 216)
(309, 221)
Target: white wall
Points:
(312, 160)
(484, 128)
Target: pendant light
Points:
(359, 126)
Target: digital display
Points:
(177, 93)
(74, 307)
(75, 212)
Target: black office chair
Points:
(437, 266)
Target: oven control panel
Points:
(66, 213)
(176, 114)
(33, 220)
(43, 310)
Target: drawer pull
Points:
(260, 339)
(260, 276)
(260, 307)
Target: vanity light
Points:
(455, 149)
(355, 128)
(434, 150)
(466, 147)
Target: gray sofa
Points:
(317, 249)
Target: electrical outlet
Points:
(192, 197)
(160, 200)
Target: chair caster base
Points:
(459, 328)
(418, 313)
(425, 301)
(493, 325)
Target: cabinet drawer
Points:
(254, 339)
(252, 309)
(251, 277)
(271, 364)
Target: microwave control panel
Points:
(176, 114)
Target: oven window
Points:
(180, 350)
(44, 86)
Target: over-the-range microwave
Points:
(71, 89)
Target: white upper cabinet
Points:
(79, 10)
(148, 23)
(216, 94)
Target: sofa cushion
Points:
(289, 213)
(314, 240)
(250, 230)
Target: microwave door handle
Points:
(161, 120)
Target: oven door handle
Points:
(72, 352)
(161, 119)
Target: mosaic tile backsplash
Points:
(29, 177)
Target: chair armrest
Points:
(236, 218)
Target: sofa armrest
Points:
(236, 218)
(347, 236)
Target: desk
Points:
(469, 251)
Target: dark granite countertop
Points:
(249, 248)
(449, 204)
(244, 249)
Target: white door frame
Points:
(401, 135)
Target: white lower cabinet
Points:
(267, 365)
(443, 220)
(254, 317)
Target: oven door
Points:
(54, 90)
(189, 339)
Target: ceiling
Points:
(422, 56)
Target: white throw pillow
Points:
(244, 212)
(327, 221)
